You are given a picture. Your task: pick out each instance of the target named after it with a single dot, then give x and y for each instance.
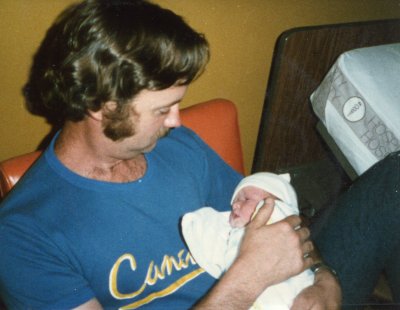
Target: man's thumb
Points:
(262, 216)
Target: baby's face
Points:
(245, 203)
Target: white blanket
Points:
(214, 244)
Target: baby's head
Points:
(255, 188)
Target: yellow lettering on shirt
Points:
(169, 290)
(113, 278)
(154, 273)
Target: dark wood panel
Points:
(287, 136)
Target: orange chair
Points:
(215, 121)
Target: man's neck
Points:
(85, 151)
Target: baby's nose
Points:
(236, 205)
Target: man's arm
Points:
(269, 254)
(92, 304)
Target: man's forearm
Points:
(235, 290)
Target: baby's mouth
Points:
(233, 218)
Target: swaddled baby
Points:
(214, 237)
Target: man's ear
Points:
(108, 107)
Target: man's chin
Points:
(149, 148)
(160, 135)
(164, 133)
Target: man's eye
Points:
(164, 111)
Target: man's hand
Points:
(276, 251)
(269, 254)
(325, 293)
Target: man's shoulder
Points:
(39, 181)
(183, 132)
(184, 136)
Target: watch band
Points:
(320, 266)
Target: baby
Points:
(214, 237)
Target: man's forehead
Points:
(164, 97)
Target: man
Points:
(94, 223)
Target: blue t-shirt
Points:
(66, 239)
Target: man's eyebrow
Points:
(169, 104)
(175, 102)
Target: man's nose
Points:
(173, 119)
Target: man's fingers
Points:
(294, 221)
(263, 215)
(307, 247)
(304, 233)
